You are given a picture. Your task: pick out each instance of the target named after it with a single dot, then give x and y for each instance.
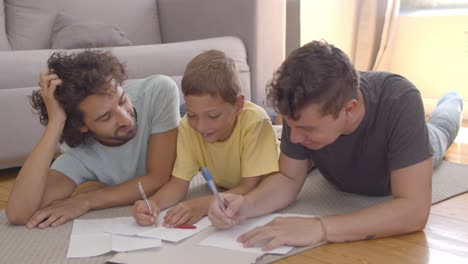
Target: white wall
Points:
(432, 52)
(331, 20)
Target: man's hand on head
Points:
(48, 83)
(59, 212)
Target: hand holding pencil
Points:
(226, 210)
(209, 180)
(145, 211)
(236, 211)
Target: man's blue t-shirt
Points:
(156, 102)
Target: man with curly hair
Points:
(117, 136)
(365, 132)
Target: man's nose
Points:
(124, 117)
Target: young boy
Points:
(232, 137)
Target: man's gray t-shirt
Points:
(156, 102)
(392, 135)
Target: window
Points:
(432, 4)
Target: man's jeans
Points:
(444, 123)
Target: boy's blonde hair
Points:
(213, 73)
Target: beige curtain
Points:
(377, 21)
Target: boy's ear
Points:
(240, 103)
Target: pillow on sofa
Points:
(71, 33)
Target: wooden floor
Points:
(444, 240)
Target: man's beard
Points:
(115, 139)
(125, 138)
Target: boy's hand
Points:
(48, 82)
(187, 212)
(236, 211)
(142, 213)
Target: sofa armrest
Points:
(21, 129)
(260, 24)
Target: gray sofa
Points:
(161, 36)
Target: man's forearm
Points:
(246, 185)
(394, 217)
(27, 193)
(120, 195)
(274, 192)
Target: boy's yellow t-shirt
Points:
(251, 150)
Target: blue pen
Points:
(206, 174)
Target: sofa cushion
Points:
(71, 33)
(4, 45)
(171, 59)
(29, 23)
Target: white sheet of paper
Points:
(125, 226)
(176, 234)
(128, 226)
(89, 245)
(90, 226)
(128, 243)
(228, 238)
(88, 238)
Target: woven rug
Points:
(318, 197)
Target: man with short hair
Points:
(365, 132)
(117, 136)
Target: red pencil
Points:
(185, 226)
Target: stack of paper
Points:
(127, 226)
(98, 236)
(88, 238)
